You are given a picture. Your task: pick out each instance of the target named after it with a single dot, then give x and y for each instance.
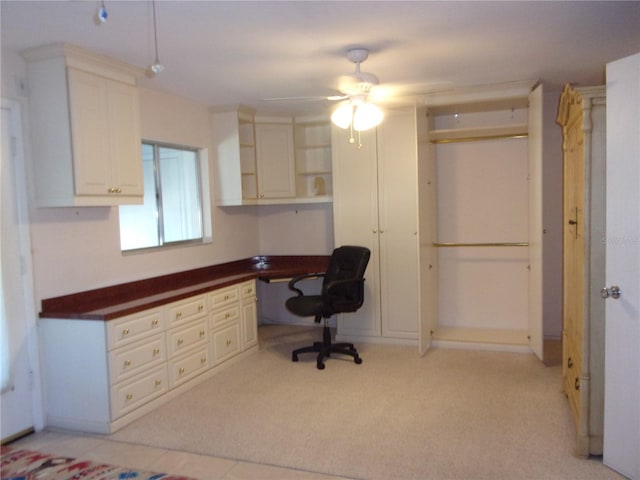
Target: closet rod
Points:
(508, 244)
(479, 137)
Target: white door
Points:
(622, 315)
(18, 316)
(535, 221)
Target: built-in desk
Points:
(113, 354)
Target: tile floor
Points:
(202, 467)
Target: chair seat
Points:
(306, 306)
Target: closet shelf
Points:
(476, 134)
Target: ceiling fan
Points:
(359, 93)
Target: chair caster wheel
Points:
(358, 360)
(320, 366)
(294, 357)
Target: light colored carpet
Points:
(453, 414)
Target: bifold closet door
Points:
(483, 197)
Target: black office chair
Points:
(342, 291)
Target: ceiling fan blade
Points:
(314, 98)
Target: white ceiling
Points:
(240, 52)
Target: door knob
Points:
(613, 291)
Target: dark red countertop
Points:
(117, 301)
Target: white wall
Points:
(77, 249)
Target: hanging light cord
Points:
(155, 30)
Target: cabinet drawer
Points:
(226, 343)
(183, 339)
(186, 310)
(144, 388)
(188, 367)
(223, 297)
(128, 361)
(221, 317)
(248, 289)
(131, 328)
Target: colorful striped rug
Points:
(20, 464)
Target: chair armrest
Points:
(298, 278)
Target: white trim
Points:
(17, 129)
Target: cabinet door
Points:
(275, 159)
(398, 224)
(249, 323)
(355, 213)
(105, 136)
(90, 133)
(125, 138)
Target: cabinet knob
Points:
(569, 363)
(178, 315)
(576, 384)
(201, 333)
(127, 363)
(125, 332)
(228, 342)
(181, 371)
(200, 307)
(129, 397)
(180, 341)
(203, 360)
(156, 352)
(154, 323)
(158, 383)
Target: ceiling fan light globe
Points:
(341, 116)
(367, 116)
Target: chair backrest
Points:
(343, 284)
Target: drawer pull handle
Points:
(569, 363)
(203, 360)
(154, 323)
(181, 371)
(158, 383)
(576, 384)
(228, 342)
(129, 397)
(127, 363)
(226, 297)
(227, 315)
(201, 333)
(200, 307)
(156, 352)
(178, 315)
(180, 341)
(125, 332)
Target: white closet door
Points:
(622, 317)
(535, 221)
(398, 224)
(355, 212)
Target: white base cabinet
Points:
(101, 375)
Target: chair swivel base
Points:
(325, 348)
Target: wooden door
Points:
(573, 244)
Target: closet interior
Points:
(481, 255)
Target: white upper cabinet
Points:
(267, 160)
(85, 124)
(275, 160)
